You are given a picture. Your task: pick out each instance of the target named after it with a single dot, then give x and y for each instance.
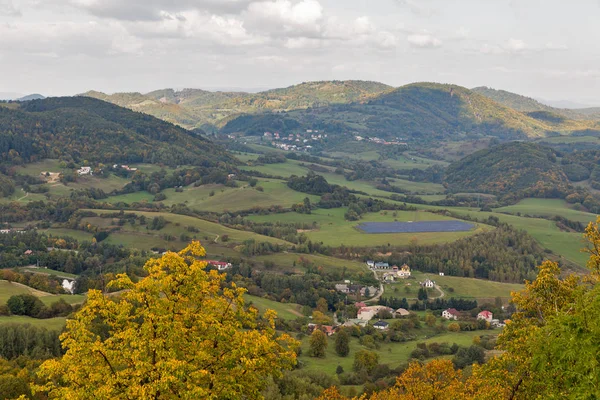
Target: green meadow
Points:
(334, 230)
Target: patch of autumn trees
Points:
(177, 333)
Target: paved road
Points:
(376, 298)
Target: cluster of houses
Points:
(295, 142)
(381, 141)
(6, 231)
(397, 273)
(85, 171)
(220, 265)
(125, 167)
(349, 288)
(485, 315)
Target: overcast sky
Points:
(541, 48)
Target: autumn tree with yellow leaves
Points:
(177, 333)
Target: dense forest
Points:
(82, 128)
(515, 167)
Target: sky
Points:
(541, 48)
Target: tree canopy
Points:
(177, 333)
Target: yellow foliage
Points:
(178, 333)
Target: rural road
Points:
(26, 194)
(376, 298)
(442, 293)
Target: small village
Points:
(294, 142)
(384, 315)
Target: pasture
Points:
(8, 289)
(288, 311)
(292, 262)
(415, 227)
(334, 230)
(52, 324)
(393, 353)
(548, 208)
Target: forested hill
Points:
(194, 108)
(509, 168)
(421, 111)
(533, 107)
(81, 128)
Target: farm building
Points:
(428, 283)
(450, 313)
(402, 312)
(220, 265)
(485, 315)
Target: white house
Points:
(404, 271)
(450, 313)
(485, 315)
(370, 263)
(441, 274)
(366, 313)
(84, 171)
(428, 283)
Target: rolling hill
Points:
(425, 111)
(195, 108)
(82, 128)
(528, 105)
(509, 168)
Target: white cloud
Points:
(516, 45)
(417, 7)
(423, 40)
(8, 9)
(284, 15)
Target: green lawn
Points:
(393, 354)
(275, 193)
(289, 311)
(565, 244)
(467, 288)
(8, 289)
(285, 169)
(548, 208)
(46, 271)
(52, 324)
(286, 261)
(178, 225)
(334, 230)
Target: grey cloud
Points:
(154, 10)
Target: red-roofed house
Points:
(450, 313)
(360, 305)
(486, 315)
(220, 265)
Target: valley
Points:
(292, 226)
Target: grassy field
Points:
(548, 208)
(453, 286)
(290, 262)
(8, 289)
(178, 225)
(46, 271)
(391, 353)
(275, 193)
(334, 230)
(52, 324)
(565, 244)
(285, 169)
(289, 311)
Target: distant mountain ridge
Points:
(528, 104)
(196, 108)
(33, 96)
(421, 111)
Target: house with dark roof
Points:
(381, 325)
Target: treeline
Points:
(436, 304)
(503, 254)
(24, 340)
(31, 306)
